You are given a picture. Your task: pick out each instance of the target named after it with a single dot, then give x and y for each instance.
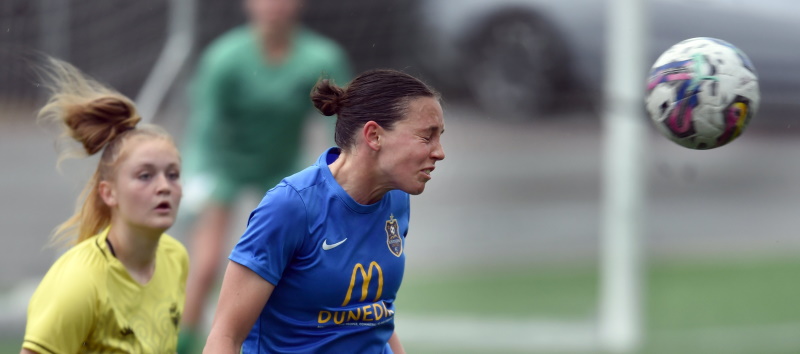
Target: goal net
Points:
(114, 41)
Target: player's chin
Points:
(416, 189)
(162, 223)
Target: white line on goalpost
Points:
(622, 224)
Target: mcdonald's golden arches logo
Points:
(368, 313)
(366, 277)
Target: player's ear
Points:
(372, 135)
(107, 193)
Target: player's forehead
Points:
(424, 114)
(148, 151)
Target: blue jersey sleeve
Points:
(275, 230)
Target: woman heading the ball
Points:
(319, 265)
(121, 286)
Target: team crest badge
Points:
(393, 239)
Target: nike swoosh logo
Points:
(326, 246)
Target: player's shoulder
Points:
(307, 178)
(295, 194)
(84, 263)
(229, 46)
(171, 246)
(173, 255)
(284, 199)
(87, 254)
(316, 45)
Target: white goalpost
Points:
(623, 188)
(175, 54)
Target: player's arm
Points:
(242, 297)
(394, 343)
(275, 228)
(27, 351)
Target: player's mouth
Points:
(163, 207)
(427, 172)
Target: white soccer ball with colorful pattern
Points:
(702, 93)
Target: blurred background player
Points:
(121, 287)
(249, 107)
(321, 261)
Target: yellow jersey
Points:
(88, 302)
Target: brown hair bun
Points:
(95, 123)
(327, 97)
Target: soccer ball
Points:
(702, 93)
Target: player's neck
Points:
(276, 44)
(355, 175)
(136, 249)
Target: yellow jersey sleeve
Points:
(61, 311)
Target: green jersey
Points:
(248, 113)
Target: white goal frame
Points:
(623, 188)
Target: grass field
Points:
(719, 306)
(713, 306)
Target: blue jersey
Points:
(336, 265)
